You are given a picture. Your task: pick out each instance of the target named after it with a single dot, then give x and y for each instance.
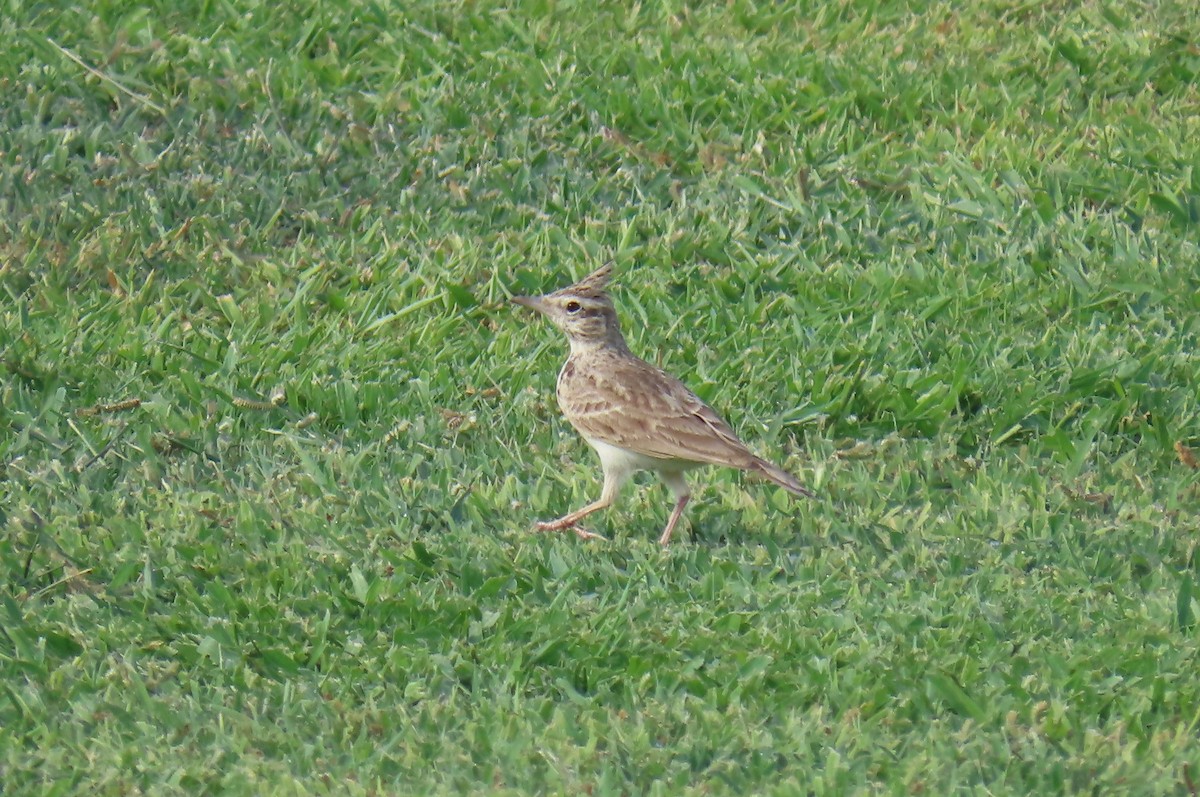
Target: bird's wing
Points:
(633, 405)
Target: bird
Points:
(635, 416)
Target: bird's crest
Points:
(594, 283)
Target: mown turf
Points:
(273, 440)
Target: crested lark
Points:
(636, 416)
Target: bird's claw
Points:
(580, 531)
(584, 534)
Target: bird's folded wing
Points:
(643, 409)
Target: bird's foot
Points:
(565, 525)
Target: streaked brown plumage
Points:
(636, 416)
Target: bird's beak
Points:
(532, 302)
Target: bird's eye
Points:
(573, 307)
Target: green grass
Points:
(940, 261)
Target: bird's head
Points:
(583, 311)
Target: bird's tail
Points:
(781, 477)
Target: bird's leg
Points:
(568, 521)
(612, 484)
(677, 513)
(678, 486)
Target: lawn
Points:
(272, 438)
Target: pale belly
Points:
(622, 460)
